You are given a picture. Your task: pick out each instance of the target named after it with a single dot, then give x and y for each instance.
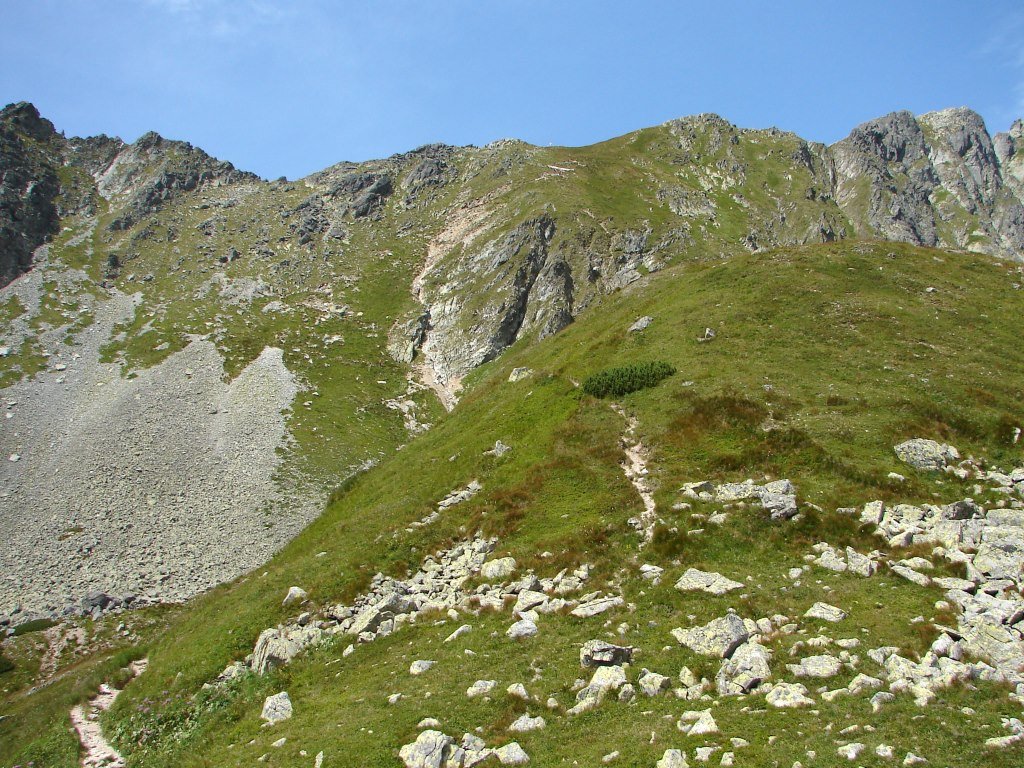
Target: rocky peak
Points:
(895, 138)
(153, 170)
(25, 118)
(933, 180)
(704, 134)
(93, 154)
(964, 158)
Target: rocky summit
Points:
(701, 445)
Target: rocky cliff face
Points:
(28, 187)
(145, 175)
(934, 180)
(1009, 148)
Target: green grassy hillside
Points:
(823, 358)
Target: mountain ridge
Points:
(304, 444)
(898, 132)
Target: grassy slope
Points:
(840, 345)
(855, 353)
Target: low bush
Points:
(616, 382)
(36, 625)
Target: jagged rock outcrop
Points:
(153, 170)
(28, 187)
(528, 286)
(932, 180)
(1009, 148)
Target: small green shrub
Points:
(6, 665)
(616, 382)
(36, 625)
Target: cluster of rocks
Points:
(437, 587)
(990, 546)
(986, 645)
(387, 606)
(706, 581)
(455, 497)
(928, 455)
(94, 605)
(778, 497)
(435, 749)
(848, 561)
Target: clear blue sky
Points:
(289, 87)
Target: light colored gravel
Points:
(159, 486)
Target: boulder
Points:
(604, 679)
(93, 600)
(295, 595)
(481, 688)
(432, 749)
(420, 666)
(279, 645)
(369, 619)
(498, 569)
(641, 324)
(850, 751)
(698, 723)
(512, 754)
(788, 695)
(673, 758)
(598, 653)
(525, 723)
(927, 455)
(727, 492)
(825, 612)
(594, 607)
(747, 668)
(694, 490)
(651, 573)
(996, 643)
(910, 575)
(458, 633)
(529, 599)
(705, 581)
(816, 666)
(277, 708)
(859, 564)
(522, 628)
(519, 691)
(719, 637)
(651, 683)
(781, 506)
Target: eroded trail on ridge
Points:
(86, 720)
(635, 468)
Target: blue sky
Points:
(289, 87)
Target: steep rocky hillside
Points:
(197, 360)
